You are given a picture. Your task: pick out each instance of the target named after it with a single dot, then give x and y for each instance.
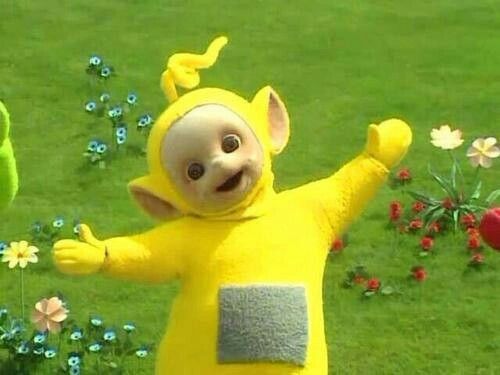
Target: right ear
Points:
(146, 195)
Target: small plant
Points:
(118, 113)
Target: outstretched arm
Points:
(340, 198)
(8, 172)
(153, 256)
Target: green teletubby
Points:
(8, 171)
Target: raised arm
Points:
(153, 256)
(340, 198)
(8, 172)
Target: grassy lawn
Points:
(339, 65)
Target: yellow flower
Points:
(445, 138)
(483, 151)
(20, 253)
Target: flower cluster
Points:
(50, 232)
(359, 276)
(94, 349)
(116, 112)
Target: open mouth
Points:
(231, 182)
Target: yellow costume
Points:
(251, 296)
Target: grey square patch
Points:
(262, 323)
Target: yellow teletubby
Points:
(250, 260)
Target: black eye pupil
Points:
(195, 171)
(230, 143)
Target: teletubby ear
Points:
(277, 117)
(144, 192)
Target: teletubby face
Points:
(213, 157)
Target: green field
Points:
(339, 65)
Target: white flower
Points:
(483, 151)
(445, 138)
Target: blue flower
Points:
(121, 131)
(3, 247)
(37, 227)
(115, 112)
(105, 71)
(129, 327)
(23, 348)
(101, 148)
(144, 121)
(96, 321)
(109, 335)
(92, 146)
(3, 311)
(104, 98)
(38, 350)
(40, 338)
(95, 60)
(95, 347)
(76, 334)
(50, 353)
(141, 352)
(74, 359)
(76, 227)
(15, 328)
(121, 140)
(90, 106)
(74, 370)
(132, 99)
(58, 222)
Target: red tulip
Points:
(416, 224)
(373, 284)
(468, 220)
(418, 207)
(477, 258)
(447, 203)
(474, 242)
(404, 175)
(434, 227)
(395, 211)
(337, 245)
(490, 227)
(419, 273)
(427, 243)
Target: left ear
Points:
(268, 101)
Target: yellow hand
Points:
(4, 123)
(389, 141)
(80, 257)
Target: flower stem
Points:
(22, 294)
(459, 169)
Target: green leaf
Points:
(423, 254)
(368, 293)
(445, 185)
(434, 215)
(492, 197)
(455, 218)
(422, 198)
(454, 176)
(387, 290)
(477, 191)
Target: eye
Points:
(230, 143)
(195, 171)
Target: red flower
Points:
(395, 211)
(419, 273)
(447, 203)
(473, 232)
(477, 258)
(434, 227)
(468, 220)
(404, 175)
(490, 227)
(337, 245)
(416, 224)
(474, 242)
(418, 207)
(373, 284)
(427, 243)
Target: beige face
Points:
(213, 157)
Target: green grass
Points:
(339, 66)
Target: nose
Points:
(225, 163)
